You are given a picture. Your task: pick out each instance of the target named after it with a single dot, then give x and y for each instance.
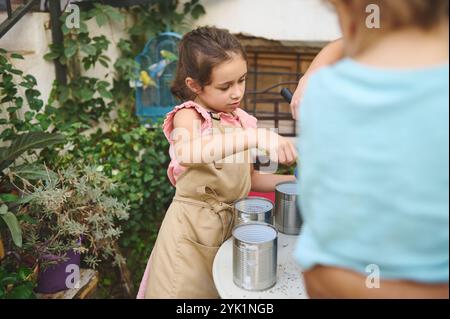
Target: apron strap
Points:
(216, 123)
(210, 200)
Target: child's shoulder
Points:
(184, 113)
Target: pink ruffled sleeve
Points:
(168, 122)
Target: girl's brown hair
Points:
(199, 52)
(397, 14)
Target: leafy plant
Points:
(136, 160)
(19, 97)
(73, 211)
(21, 135)
(85, 100)
(16, 281)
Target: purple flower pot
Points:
(53, 278)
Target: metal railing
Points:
(270, 95)
(16, 15)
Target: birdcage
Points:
(157, 66)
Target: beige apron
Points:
(196, 224)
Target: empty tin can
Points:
(287, 214)
(255, 256)
(253, 209)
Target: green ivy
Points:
(18, 92)
(16, 281)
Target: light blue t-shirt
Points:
(374, 171)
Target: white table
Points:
(289, 275)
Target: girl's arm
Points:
(266, 183)
(330, 54)
(191, 148)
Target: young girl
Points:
(211, 75)
(374, 149)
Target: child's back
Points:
(374, 153)
(379, 142)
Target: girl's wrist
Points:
(253, 137)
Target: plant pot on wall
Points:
(53, 278)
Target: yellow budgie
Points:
(146, 80)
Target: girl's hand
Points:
(280, 149)
(332, 53)
(298, 95)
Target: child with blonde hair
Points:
(374, 156)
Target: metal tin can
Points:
(255, 256)
(253, 209)
(287, 213)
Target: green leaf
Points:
(25, 142)
(29, 116)
(8, 198)
(13, 225)
(51, 56)
(9, 280)
(89, 49)
(24, 272)
(101, 19)
(105, 93)
(17, 72)
(19, 102)
(86, 94)
(63, 94)
(27, 218)
(16, 56)
(114, 14)
(198, 11)
(64, 28)
(24, 291)
(35, 172)
(70, 48)
(187, 8)
(104, 63)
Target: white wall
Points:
(294, 20)
(30, 37)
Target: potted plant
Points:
(68, 215)
(9, 200)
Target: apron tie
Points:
(222, 209)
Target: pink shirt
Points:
(175, 169)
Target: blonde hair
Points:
(398, 14)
